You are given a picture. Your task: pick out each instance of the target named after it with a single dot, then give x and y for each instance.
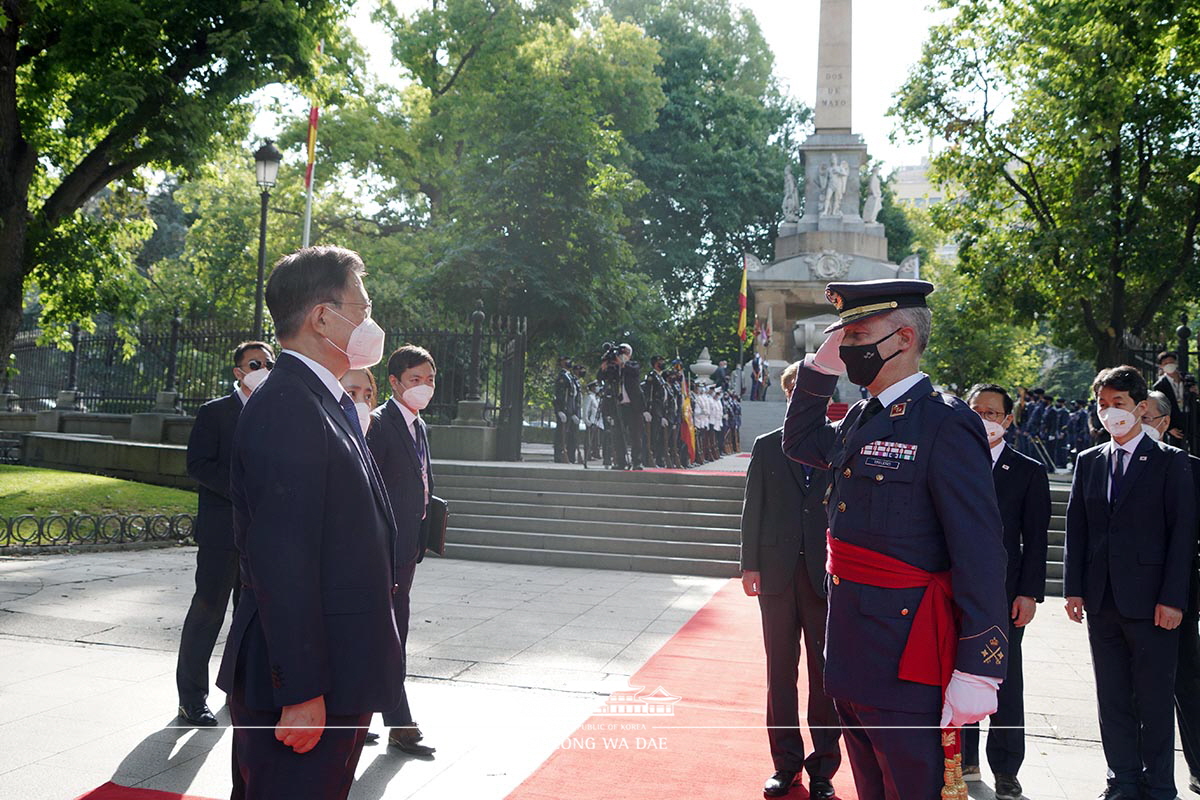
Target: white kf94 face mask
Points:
(417, 397)
(364, 348)
(1116, 421)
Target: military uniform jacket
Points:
(913, 483)
(566, 395)
(656, 394)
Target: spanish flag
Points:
(686, 424)
(742, 302)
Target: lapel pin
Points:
(1141, 458)
(1004, 466)
(898, 409)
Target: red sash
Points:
(932, 642)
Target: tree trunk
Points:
(17, 163)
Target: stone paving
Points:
(508, 660)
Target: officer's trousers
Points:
(1187, 692)
(894, 755)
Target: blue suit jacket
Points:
(316, 536)
(933, 506)
(1023, 494)
(396, 454)
(210, 447)
(1143, 545)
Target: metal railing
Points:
(123, 373)
(79, 529)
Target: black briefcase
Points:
(438, 514)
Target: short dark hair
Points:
(407, 357)
(1121, 379)
(1165, 354)
(305, 278)
(241, 349)
(991, 387)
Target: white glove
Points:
(562, 416)
(575, 420)
(969, 698)
(663, 422)
(646, 416)
(827, 359)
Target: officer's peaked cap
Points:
(863, 299)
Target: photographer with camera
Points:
(619, 373)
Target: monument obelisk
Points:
(831, 241)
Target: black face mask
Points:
(863, 361)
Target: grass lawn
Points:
(43, 492)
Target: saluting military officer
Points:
(915, 542)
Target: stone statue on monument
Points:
(874, 201)
(835, 186)
(791, 196)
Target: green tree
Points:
(501, 172)
(1071, 130)
(92, 93)
(713, 163)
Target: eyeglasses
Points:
(1149, 420)
(367, 305)
(992, 416)
(254, 364)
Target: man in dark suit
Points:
(1155, 422)
(399, 442)
(1170, 383)
(783, 564)
(1023, 495)
(566, 410)
(632, 406)
(1131, 539)
(209, 448)
(313, 649)
(915, 542)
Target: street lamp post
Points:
(266, 166)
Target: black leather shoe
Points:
(780, 783)
(407, 738)
(1007, 787)
(1116, 793)
(372, 737)
(198, 715)
(820, 788)
(1194, 783)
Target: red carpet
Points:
(714, 745)
(696, 471)
(111, 791)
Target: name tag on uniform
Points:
(891, 450)
(882, 462)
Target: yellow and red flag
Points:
(689, 429)
(742, 302)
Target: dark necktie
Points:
(351, 415)
(1118, 473)
(872, 408)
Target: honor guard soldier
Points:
(916, 638)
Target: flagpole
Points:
(308, 209)
(308, 172)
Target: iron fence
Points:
(62, 529)
(122, 372)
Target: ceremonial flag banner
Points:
(742, 302)
(689, 429)
(313, 114)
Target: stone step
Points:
(597, 529)
(597, 473)
(571, 514)
(1054, 591)
(571, 485)
(593, 544)
(591, 500)
(594, 560)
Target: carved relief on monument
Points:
(791, 196)
(910, 265)
(829, 265)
